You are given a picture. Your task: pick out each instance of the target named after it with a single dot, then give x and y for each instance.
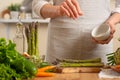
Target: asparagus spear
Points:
(63, 64)
(36, 39)
(98, 60)
(28, 36)
(30, 40)
(33, 38)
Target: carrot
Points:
(41, 72)
(45, 68)
(117, 66)
(44, 74)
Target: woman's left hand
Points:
(111, 21)
(109, 38)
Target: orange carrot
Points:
(45, 68)
(117, 66)
(44, 74)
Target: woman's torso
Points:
(70, 38)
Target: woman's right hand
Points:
(70, 8)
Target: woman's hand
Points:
(109, 38)
(70, 8)
(111, 21)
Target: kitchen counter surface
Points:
(75, 76)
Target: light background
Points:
(43, 28)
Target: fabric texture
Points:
(37, 5)
(108, 73)
(117, 9)
(71, 39)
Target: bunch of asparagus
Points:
(31, 32)
(96, 62)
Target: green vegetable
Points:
(94, 62)
(23, 67)
(14, 7)
(110, 59)
(31, 32)
(64, 64)
(117, 56)
(44, 64)
(36, 39)
(114, 58)
(28, 36)
(82, 61)
(30, 67)
(7, 73)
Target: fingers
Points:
(71, 8)
(77, 7)
(111, 25)
(104, 41)
(64, 11)
(112, 29)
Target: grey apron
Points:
(71, 39)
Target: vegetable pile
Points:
(96, 62)
(14, 66)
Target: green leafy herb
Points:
(14, 65)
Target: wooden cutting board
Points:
(78, 70)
